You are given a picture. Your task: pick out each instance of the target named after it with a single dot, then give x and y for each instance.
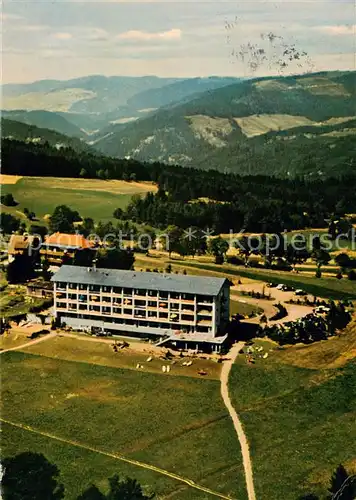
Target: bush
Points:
(318, 273)
(282, 312)
(232, 259)
(43, 305)
(352, 275)
(8, 200)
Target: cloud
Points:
(32, 27)
(9, 17)
(98, 35)
(145, 36)
(62, 36)
(338, 30)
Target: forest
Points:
(191, 197)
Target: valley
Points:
(179, 352)
(248, 127)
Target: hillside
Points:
(93, 102)
(46, 120)
(11, 129)
(283, 126)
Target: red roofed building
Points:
(57, 246)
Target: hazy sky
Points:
(66, 39)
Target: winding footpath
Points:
(32, 342)
(224, 379)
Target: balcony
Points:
(187, 301)
(204, 322)
(205, 312)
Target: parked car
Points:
(271, 285)
(285, 288)
(322, 309)
(300, 292)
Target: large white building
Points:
(188, 311)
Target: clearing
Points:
(91, 197)
(176, 423)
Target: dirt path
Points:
(224, 379)
(116, 456)
(32, 342)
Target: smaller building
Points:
(58, 246)
(40, 289)
(21, 244)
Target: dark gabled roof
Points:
(140, 280)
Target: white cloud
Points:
(98, 35)
(337, 30)
(62, 36)
(32, 27)
(145, 36)
(9, 17)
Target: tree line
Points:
(31, 476)
(254, 203)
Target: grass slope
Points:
(91, 197)
(298, 411)
(176, 423)
(329, 288)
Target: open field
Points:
(330, 288)
(176, 423)
(9, 179)
(298, 409)
(11, 340)
(91, 197)
(87, 349)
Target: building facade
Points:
(183, 309)
(59, 246)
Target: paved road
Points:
(32, 342)
(224, 379)
(294, 311)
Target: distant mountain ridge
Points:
(93, 102)
(45, 119)
(11, 129)
(279, 126)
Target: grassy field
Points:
(298, 409)
(83, 349)
(91, 197)
(322, 287)
(176, 423)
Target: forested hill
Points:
(189, 197)
(285, 126)
(12, 129)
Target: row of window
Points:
(133, 291)
(137, 313)
(140, 324)
(173, 306)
